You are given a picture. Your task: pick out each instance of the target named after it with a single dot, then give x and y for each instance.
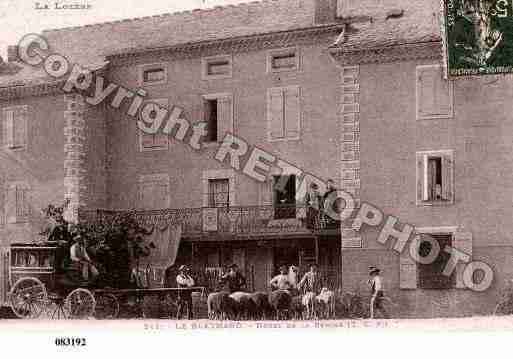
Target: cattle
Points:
(245, 307)
(221, 306)
(308, 300)
(280, 301)
(326, 303)
(262, 307)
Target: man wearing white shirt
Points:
(281, 281)
(184, 280)
(377, 298)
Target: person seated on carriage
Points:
(233, 279)
(81, 260)
(281, 281)
(184, 280)
(311, 281)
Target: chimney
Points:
(12, 53)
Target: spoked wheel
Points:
(107, 306)
(28, 297)
(503, 308)
(80, 304)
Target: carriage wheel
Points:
(28, 297)
(503, 308)
(80, 304)
(107, 306)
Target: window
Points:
(17, 202)
(153, 191)
(152, 74)
(14, 127)
(219, 192)
(283, 60)
(413, 275)
(434, 94)
(430, 276)
(217, 67)
(284, 196)
(435, 177)
(155, 141)
(218, 114)
(283, 113)
(218, 188)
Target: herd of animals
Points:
(275, 305)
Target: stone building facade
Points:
(362, 101)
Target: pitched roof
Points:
(416, 24)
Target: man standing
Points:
(236, 281)
(378, 296)
(311, 281)
(184, 280)
(327, 221)
(281, 281)
(81, 260)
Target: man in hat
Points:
(81, 260)
(281, 281)
(184, 280)
(234, 279)
(378, 296)
(311, 281)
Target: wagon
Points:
(41, 285)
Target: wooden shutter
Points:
(275, 113)
(144, 195)
(434, 97)
(463, 243)
(266, 192)
(4, 275)
(407, 271)
(447, 177)
(10, 204)
(160, 192)
(22, 202)
(292, 112)
(20, 127)
(8, 128)
(420, 177)
(224, 117)
(430, 179)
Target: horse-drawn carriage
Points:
(44, 282)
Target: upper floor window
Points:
(284, 196)
(17, 203)
(283, 113)
(152, 74)
(153, 191)
(14, 127)
(435, 177)
(217, 67)
(219, 192)
(434, 94)
(218, 114)
(283, 60)
(154, 141)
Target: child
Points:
(378, 296)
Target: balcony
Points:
(230, 223)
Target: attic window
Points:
(152, 74)
(217, 67)
(283, 60)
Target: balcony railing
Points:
(230, 221)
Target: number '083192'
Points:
(70, 342)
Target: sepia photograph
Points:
(232, 166)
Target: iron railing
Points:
(229, 221)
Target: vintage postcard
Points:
(304, 166)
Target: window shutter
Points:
(266, 192)
(144, 195)
(3, 201)
(434, 97)
(224, 117)
(9, 128)
(160, 195)
(407, 271)
(20, 127)
(462, 242)
(425, 178)
(292, 112)
(275, 113)
(431, 179)
(22, 203)
(159, 140)
(420, 177)
(447, 177)
(10, 204)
